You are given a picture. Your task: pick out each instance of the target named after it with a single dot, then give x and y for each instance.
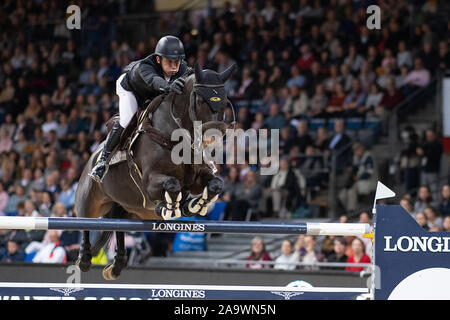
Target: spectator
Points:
(353, 104)
(296, 78)
(446, 224)
(276, 120)
(258, 253)
(362, 180)
(70, 241)
(288, 257)
(335, 106)
(444, 205)
(358, 256)
(409, 159)
(434, 220)
(306, 59)
(407, 205)
(13, 253)
(422, 220)
(5, 141)
(66, 195)
(47, 252)
(419, 77)
(431, 152)
(373, 99)
(45, 207)
(3, 199)
(284, 191)
(302, 138)
(318, 103)
(17, 197)
(246, 196)
(338, 141)
(297, 103)
(310, 257)
(404, 56)
(424, 200)
(338, 254)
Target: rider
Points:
(143, 80)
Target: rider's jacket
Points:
(145, 78)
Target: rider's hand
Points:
(177, 86)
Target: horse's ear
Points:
(228, 72)
(198, 72)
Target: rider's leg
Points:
(127, 108)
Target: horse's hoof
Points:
(108, 272)
(83, 265)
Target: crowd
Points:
(298, 61)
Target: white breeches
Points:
(127, 103)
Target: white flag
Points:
(383, 192)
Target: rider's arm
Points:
(152, 79)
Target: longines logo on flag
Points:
(416, 244)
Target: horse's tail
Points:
(105, 236)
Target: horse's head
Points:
(208, 99)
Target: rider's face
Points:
(170, 67)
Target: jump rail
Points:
(196, 226)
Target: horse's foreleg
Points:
(85, 256)
(167, 190)
(112, 271)
(212, 187)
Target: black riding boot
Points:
(101, 167)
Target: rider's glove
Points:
(177, 86)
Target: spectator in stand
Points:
(373, 99)
(419, 77)
(306, 59)
(311, 255)
(288, 257)
(358, 256)
(284, 191)
(338, 255)
(13, 253)
(421, 219)
(338, 141)
(431, 152)
(434, 220)
(302, 138)
(404, 56)
(245, 196)
(423, 200)
(296, 104)
(13, 200)
(47, 252)
(407, 205)
(353, 104)
(363, 177)
(258, 252)
(70, 241)
(444, 204)
(446, 224)
(296, 78)
(444, 55)
(276, 120)
(318, 103)
(3, 199)
(335, 106)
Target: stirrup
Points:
(95, 177)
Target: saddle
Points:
(139, 124)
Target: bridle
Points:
(197, 144)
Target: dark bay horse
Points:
(150, 185)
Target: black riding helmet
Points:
(170, 47)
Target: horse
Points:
(149, 185)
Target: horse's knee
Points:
(215, 185)
(172, 185)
